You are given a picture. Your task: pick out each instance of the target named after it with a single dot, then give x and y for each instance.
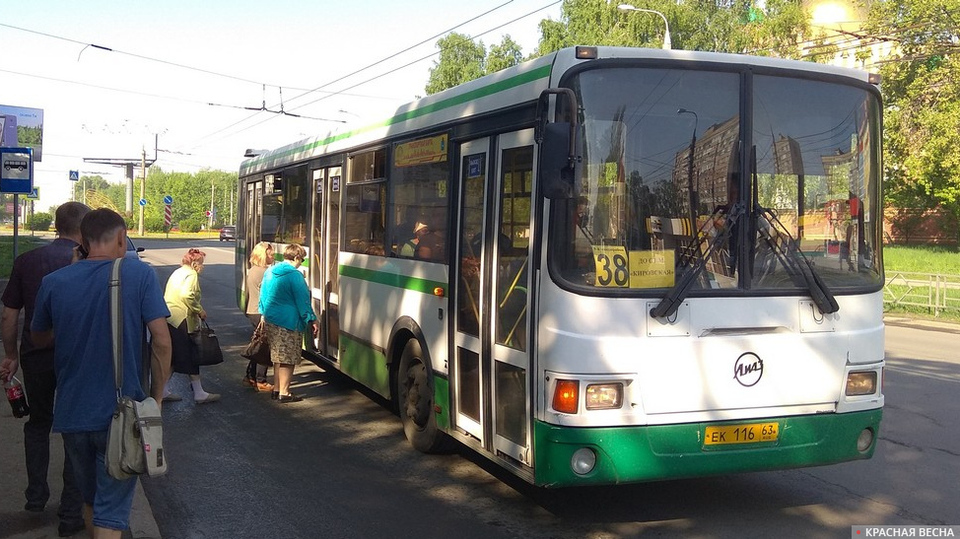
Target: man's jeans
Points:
(41, 387)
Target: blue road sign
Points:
(74, 175)
(168, 200)
(143, 202)
(16, 170)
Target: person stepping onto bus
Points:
(260, 259)
(286, 310)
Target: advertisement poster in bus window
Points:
(421, 152)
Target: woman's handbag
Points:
(208, 346)
(135, 438)
(259, 349)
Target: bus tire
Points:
(415, 400)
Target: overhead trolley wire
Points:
(362, 69)
(341, 92)
(140, 56)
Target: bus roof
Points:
(519, 84)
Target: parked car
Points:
(228, 233)
(132, 250)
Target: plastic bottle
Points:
(16, 397)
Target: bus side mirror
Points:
(556, 161)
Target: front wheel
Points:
(415, 400)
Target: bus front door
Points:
(324, 252)
(491, 351)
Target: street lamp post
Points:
(694, 196)
(666, 33)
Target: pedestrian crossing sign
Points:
(34, 194)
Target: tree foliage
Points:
(39, 221)
(463, 60)
(708, 25)
(921, 90)
(192, 193)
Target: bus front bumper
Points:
(651, 453)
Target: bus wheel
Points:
(415, 400)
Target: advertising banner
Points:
(22, 127)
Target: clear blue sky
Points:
(293, 45)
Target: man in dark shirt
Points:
(39, 379)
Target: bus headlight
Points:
(583, 461)
(604, 396)
(861, 383)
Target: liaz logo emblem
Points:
(748, 369)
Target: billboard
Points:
(22, 127)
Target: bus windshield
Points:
(678, 184)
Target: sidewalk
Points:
(15, 523)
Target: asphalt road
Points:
(337, 464)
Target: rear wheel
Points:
(415, 400)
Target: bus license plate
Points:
(747, 433)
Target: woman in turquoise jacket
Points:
(286, 310)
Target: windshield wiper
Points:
(795, 261)
(671, 302)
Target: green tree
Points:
(506, 54)
(39, 221)
(921, 90)
(461, 60)
(90, 183)
(192, 194)
(738, 27)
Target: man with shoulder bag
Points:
(73, 311)
(36, 364)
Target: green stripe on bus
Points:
(490, 89)
(441, 399)
(415, 284)
(652, 453)
(364, 364)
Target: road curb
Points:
(142, 523)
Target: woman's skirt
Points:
(184, 350)
(285, 344)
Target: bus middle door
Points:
(491, 351)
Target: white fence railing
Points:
(934, 291)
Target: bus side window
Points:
(419, 201)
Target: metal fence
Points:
(935, 292)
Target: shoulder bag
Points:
(258, 350)
(135, 438)
(208, 350)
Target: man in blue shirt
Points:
(39, 380)
(73, 310)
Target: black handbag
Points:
(258, 350)
(207, 346)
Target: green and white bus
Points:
(605, 265)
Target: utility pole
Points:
(143, 185)
(213, 191)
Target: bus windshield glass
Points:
(669, 194)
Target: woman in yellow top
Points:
(182, 295)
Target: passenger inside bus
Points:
(409, 248)
(429, 245)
